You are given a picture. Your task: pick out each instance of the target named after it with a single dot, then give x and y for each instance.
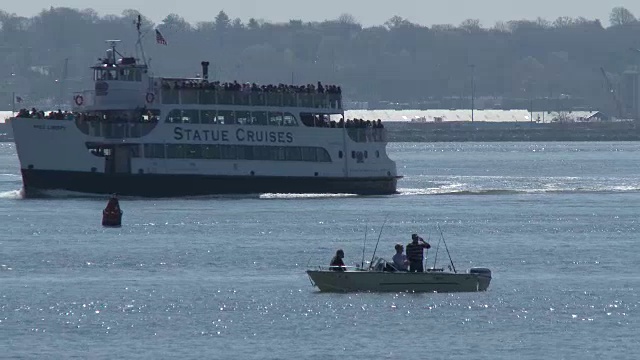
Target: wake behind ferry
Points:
(140, 135)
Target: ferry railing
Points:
(212, 96)
(363, 135)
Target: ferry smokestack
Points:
(205, 70)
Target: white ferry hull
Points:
(36, 182)
(54, 155)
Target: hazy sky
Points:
(368, 12)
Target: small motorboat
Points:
(382, 277)
(112, 214)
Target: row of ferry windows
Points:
(231, 117)
(235, 152)
(117, 74)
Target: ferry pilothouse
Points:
(140, 135)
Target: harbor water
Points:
(222, 277)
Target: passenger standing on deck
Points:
(336, 263)
(415, 253)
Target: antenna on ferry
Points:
(138, 23)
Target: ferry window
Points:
(175, 151)
(154, 151)
(191, 116)
(243, 117)
(138, 75)
(307, 119)
(275, 118)
(174, 116)
(189, 96)
(276, 153)
(151, 115)
(208, 116)
(377, 153)
(193, 151)
(244, 152)
(260, 152)
(207, 96)
(228, 152)
(228, 117)
(289, 120)
(259, 117)
(309, 154)
(340, 154)
(293, 153)
(323, 155)
(170, 96)
(211, 152)
(135, 151)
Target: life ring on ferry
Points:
(79, 100)
(150, 97)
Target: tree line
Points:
(399, 61)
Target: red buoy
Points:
(112, 215)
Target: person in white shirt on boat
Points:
(400, 261)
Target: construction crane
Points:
(613, 93)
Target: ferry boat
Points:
(140, 135)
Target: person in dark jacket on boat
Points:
(415, 253)
(336, 263)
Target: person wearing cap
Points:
(415, 253)
(400, 261)
(336, 263)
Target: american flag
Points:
(159, 38)
(18, 99)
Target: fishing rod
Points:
(364, 244)
(426, 255)
(435, 259)
(446, 248)
(379, 235)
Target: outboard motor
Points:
(205, 70)
(485, 272)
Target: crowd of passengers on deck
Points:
(39, 114)
(352, 124)
(252, 87)
(144, 116)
